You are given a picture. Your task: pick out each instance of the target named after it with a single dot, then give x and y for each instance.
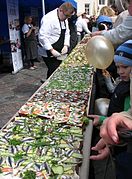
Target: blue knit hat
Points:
(123, 53)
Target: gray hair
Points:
(122, 5)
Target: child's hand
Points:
(106, 73)
(95, 119)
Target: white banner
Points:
(14, 34)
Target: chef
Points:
(54, 37)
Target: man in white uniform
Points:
(54, 37)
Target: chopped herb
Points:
(85, 120)
(18, 156)
(15, 142)
(29, 174)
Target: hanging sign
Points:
(14, 34)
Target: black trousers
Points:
(52, 64)
(124, 165)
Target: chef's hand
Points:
(64, 50)
(55, 53)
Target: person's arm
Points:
(85, 27)
(45, 33)
(96, 33)
(109, 84)
(120, 34)
(128, 113)
(97, 120)
(102, 149)
(110, 126)
(26, 30)
(120, 18)
(109, 135)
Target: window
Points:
(87, 8)
(101, 2)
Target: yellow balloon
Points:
(99, 52)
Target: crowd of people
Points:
(117, 122)
(60, 31)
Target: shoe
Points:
(35, 67)
(31, 68)
(42, 80)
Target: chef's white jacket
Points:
(50, 31)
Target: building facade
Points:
(91, 7)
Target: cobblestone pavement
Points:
(16, 89)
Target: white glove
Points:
(55, 53)
(64, 50)
(62, 57)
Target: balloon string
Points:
(113, 80)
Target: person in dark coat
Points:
(120, 102)
(73, 31)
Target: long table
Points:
(65, 91)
